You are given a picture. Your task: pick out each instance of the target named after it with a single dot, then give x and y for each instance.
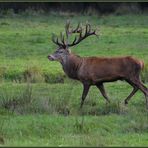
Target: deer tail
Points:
(141, 64)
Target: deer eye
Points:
(60, 51)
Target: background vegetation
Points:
(81, 7)
(39, 105)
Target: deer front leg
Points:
(84, 94)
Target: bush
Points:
(54, 78)
(32, 12)
(7, 12)
(128, 8)
(16, 103)
(33, 74)
(91, 11)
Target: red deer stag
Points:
(96, 70)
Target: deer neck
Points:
(71, 65)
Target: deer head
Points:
(63, 42)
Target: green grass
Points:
(49, 115)
(26, 42)
(61, 131)
(46, 111)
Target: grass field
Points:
(45, 111)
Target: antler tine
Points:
(62, 38)
(90, 31)
(74, 40)
(77, 30)
(89, 27)
(56, 40)
(86, 29)
(67, 28)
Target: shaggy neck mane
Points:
(72, 65)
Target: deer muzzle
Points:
(51, 57)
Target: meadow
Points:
(39, 105)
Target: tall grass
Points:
(15, 102)
(64, 99)
(50, 114)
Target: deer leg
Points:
(135, 89)
(143, 88)
(103, 92)
(84, 94)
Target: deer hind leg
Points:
(103, 92)
(135, 89)
(143, 88)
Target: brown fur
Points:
(97, 70)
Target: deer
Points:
(95, 71)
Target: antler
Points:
(60, 43)
(68, 31)
(88, 32)
(78, 39)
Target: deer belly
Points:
(99, 73)
(106, 76)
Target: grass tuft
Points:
(33, 74)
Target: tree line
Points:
(100, 7)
